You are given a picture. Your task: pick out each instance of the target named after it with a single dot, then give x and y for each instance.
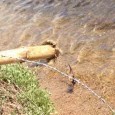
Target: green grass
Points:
(34, 100)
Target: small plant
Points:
(33, 100)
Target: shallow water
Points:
(83, 30)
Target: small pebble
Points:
(70, 89)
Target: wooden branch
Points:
(30, 53)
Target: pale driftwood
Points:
(30, 53)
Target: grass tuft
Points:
(34, 101)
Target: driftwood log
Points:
(30, 53)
